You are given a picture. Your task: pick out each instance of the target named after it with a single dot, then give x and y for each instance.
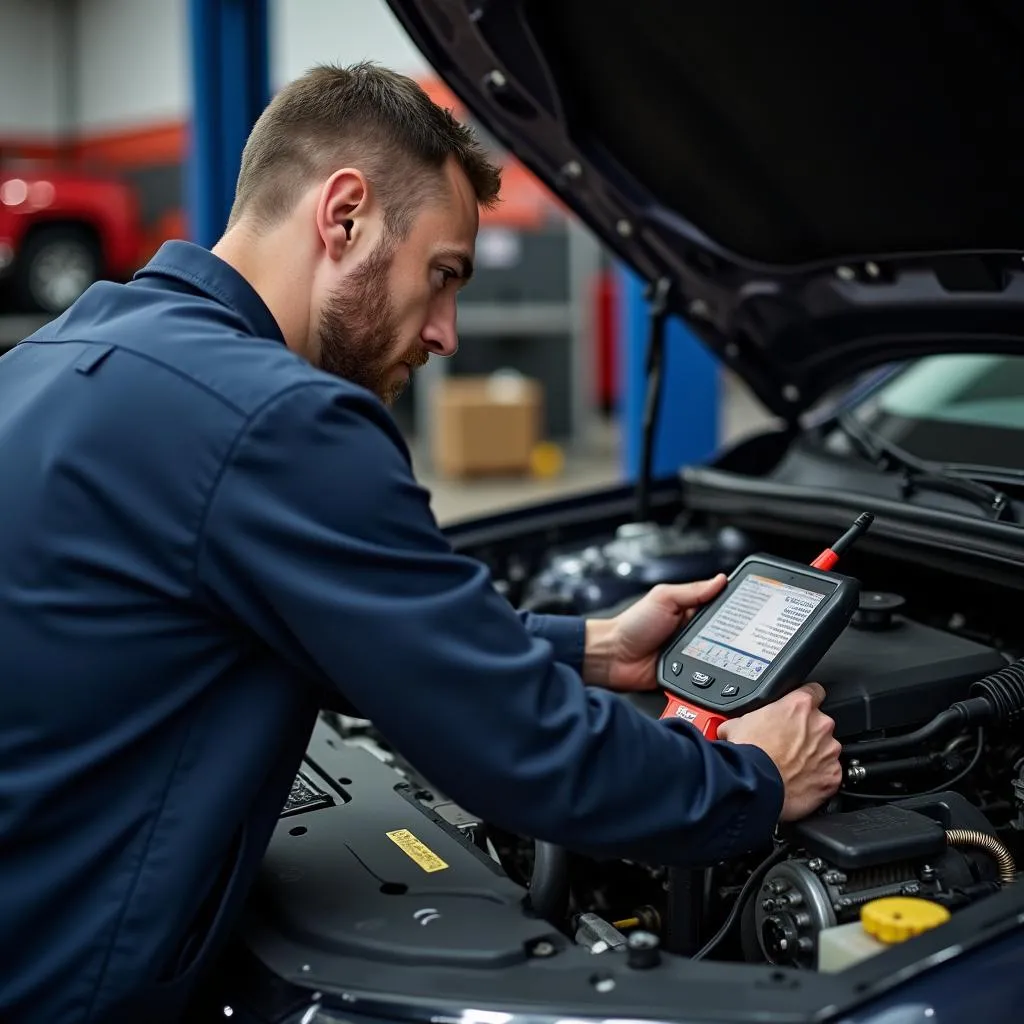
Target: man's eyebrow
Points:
(463, 260)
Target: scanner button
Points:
(731, 690)
(677, 667)
(701, 679)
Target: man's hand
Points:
(798, 738)
(622, 653)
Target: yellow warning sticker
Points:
(417, 851)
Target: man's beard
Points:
(359, 337)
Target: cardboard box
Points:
(485, 425)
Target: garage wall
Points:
(107, 83)
(121, 81)
(131, 64)
(32, 86)
(305, 32)
(89, 67)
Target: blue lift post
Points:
(688, 429)
(230, 54)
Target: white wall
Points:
(32, 86)
(131, 63)
(306, 32)
(132, 55)
(97, 65)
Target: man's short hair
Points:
(362, 116)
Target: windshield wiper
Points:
(919, 475)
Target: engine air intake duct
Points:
(1004, 691)
(998, 698)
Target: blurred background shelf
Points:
(530, 308)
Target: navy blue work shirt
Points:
(205, 540)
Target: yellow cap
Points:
(546, 459)
(898, 918)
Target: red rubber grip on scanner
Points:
(825, 561)
(707, 721)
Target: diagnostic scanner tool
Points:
(760, 638)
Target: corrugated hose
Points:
(961, 837)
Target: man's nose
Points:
(441, 336)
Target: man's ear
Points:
(344, 200)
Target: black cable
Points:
(745, 893)
(960, 776)
(998, 696)
(962, 713)
(652, 405)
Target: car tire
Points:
(55, 266)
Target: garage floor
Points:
(597, 466)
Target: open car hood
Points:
(823, 188)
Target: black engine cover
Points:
(898, 677)
(907, 830)
(373, 874)
(890, 678)
(872, 836)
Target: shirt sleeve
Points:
(318, 538)
(567, 635)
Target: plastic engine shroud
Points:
(889, 678)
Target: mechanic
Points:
(211, 530)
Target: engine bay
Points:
(370, 862)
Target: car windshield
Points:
(953, 409)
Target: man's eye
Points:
(446, 274)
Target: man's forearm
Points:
(598, 651)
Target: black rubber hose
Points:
(896, 767)
(780, 853)
(1004, 690)
(998, 697)
(960, 715)
(549, 883)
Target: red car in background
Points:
(61, 230)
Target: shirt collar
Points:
(210, 275)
